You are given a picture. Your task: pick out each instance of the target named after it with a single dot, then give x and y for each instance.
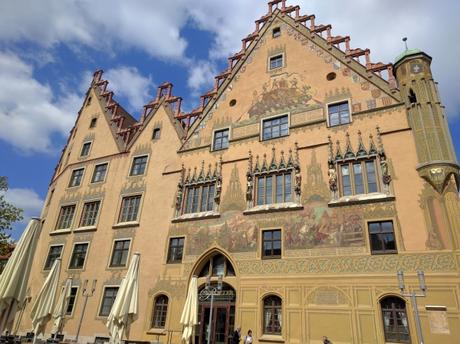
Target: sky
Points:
(49, 52)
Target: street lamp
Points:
(85, 293)
(210, 292)
(413, 297)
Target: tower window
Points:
(412, 97)
(276, 32)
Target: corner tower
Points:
(435, 151)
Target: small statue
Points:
(298, 180)
(332, 173)
(179, 196)
(218, 190)
(249, 188)
(385, 171)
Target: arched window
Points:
(217, 265)
(272, 315)
(395, 323)
(160, 311)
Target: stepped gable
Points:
(125, 126)
(361, 57)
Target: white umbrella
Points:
(61, 306)
(43, 305)
(13, 280)
(124, 308)
(189, 316)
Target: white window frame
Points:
(59, 214)
(348, 100)
(120, 203)
(132, 163)
(261, 126)
(89, 151)
(82, 210)
(283, 56)
(81, 180)
(229, 137)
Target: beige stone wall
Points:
(329, 286)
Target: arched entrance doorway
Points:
(216, 308)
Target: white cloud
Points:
(127, 82)
(201, 75)
(116, 24)
(29, 113)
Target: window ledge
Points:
(196, 216)
(126, 224)
(266, 208)
(85, 229)
(271, 338)
(158, 331)
(362, 198)
(60, 231)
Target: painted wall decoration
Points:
(283, 93)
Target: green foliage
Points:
(8, 215)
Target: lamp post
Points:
(413, 297)
(210, 292)
(85, 293)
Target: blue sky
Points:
(48, 53)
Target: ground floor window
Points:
(395, 324)
(272, 315)
(160, 311)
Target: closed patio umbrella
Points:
(61, 306)
(13, 280)
(124, 309)
(43, 305)
(189, 316)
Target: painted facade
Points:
(329, 277)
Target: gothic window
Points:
(217, 265)
(200, 192)
(65, 217)
(358, 177)
(160, 311)
(76, 177)
(272, 316)
(395, 324)
(275, 127)
(176, 250)
(382, 237)
(274, 188)
(199, 198)
(129, 208)
(339, 113)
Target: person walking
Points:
(236, 336)
(248, 338)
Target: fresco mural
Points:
(283, 93)
(316, 225)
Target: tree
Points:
(8, 215)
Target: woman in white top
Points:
(248, 338)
